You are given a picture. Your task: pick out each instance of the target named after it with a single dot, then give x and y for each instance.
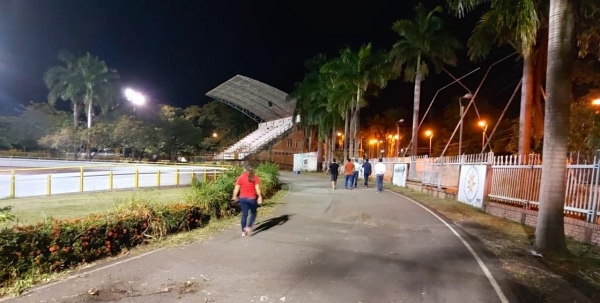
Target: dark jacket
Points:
(367, 168)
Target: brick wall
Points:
(283, 151)
(574, 228)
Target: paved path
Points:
(336, 246)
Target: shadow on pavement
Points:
(270, 223)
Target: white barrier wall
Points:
(472, 185)
(95, 176)
(306, 162)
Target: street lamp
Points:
(596, 101)
(429, 134)
(467, 96)
(135, 97)
(483, 125)
(398, 136)
(215, 135)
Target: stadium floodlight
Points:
(134, 97)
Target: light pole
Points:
(135, 97)
(467, 96)
(430, 135)
(398, 136)
(483, 125)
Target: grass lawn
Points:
(166, 195)
(34, 209)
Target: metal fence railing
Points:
(38, 181)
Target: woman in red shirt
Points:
(248, 188)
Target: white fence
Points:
(514, 180)
(25, 178)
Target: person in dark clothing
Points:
(334, 170)
(366, 172)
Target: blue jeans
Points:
(349, 181)
(379, 182)
(366, 179)
(248, 205)
(355, 177)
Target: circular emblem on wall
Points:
(472, 184)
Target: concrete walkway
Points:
(322, 246)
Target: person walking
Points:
(357, 169)
(349, 173)
(247, 186)
(379, 172)
(366, 172)
(334, 170)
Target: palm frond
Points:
(461, 7)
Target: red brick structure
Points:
(282, 152)
(577, 229)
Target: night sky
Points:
(176, 51)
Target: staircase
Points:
(254, 142)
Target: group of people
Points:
(247, 186)
(352, 170)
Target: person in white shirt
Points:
(357, 169)
(379, 172)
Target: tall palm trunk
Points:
(351, 133)
(416, 101)
(549, 233)
(346, 133)
(357, 134)
(89, 125)
(357, 123)
(310, 139)
(319, 153)
(333, 143)
(527, 89)
(540, 76)
(75, 124)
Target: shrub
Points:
(54, 245)
(5, 214)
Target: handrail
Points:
(237, 139)
(285, 129)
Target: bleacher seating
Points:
(253, 142)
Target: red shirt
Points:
(247, 189)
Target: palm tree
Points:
(86, 80)
(312, 97)
(422, 40)
(357, 71)
(549, 233)
(524, 28)
(57, 80)
(98, 80)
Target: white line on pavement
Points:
(484, 268)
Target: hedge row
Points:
(55, 245)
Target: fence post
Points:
(158, 178)
(594, 205)
(205, 173)
(49, 185)
(214, 174)
(136, 178)
(110, 180)
(192, 177)
(177, 177)
(440, 172)
(12, 184)
(81, 178)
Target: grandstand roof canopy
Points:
(257, 100)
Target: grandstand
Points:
(264, 104)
